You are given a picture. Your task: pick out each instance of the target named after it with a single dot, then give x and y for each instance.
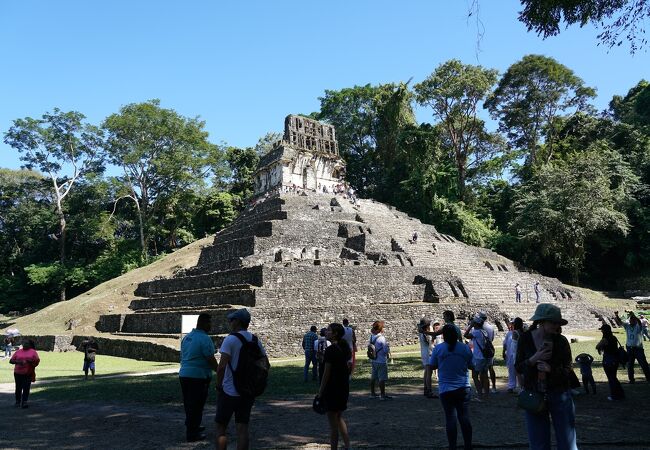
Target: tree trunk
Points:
(62, 256)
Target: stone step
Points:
(243, 296)
(246, 275)
(170, 322)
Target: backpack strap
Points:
(243, 341)
(484, 333)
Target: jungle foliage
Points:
(557, 185)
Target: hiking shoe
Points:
(196, 437)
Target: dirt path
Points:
(408, 421)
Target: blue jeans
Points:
(310, 358)
(561, 412)
(638, 354)
(456, 403)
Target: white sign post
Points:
(188, 323)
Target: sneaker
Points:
(610, 399)
(374, 395)
(196, 437)
(494, 390)
(385, 397)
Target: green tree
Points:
(65, 148)
(568, 202)
(617, 18)
(215, 211)
(528, 99)
(160, 153)
(266, 143)
(454, 91)
(353, 113)
(634, 108)
(243, 164)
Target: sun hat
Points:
(242, 315)
(549, 312)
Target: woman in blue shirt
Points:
(453, 359)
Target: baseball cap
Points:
(242, 315)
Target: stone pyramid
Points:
(301, 255)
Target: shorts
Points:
(480, 365)
(89, 365)
(379, 371)
(228, 405)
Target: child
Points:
(585, 360)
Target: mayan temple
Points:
(302, 255)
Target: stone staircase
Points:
(298, 260)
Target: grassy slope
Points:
(112, 296)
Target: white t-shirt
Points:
(231, 346)
(478, 339)
(319, 340)
(426, 347)
(489, 329)
(381, 347)
(348, 336)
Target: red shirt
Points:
(25, 361)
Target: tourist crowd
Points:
(538, 358)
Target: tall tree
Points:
(634, 108)
(568, 202)
(530, 96)
(65, 148)
(454, 92)
(619, 19)
(242, 163)
(160, 153)
(352, 112)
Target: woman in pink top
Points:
(26, 359)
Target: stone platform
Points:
(297, 260)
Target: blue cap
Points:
(242, 315)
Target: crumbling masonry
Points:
(300, 259)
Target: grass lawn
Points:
(285, 382)
(69, 364)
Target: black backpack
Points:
(253, 366)
(488, 349)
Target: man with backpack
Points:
(489, 329)
(482, 352)
(320, 346)
(378, 351)
(241, 376)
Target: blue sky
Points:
(243, 66)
